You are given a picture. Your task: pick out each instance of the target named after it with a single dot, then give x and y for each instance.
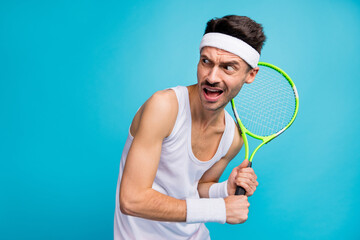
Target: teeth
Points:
(212, 90)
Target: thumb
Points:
(244, 164)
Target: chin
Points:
(213, 106)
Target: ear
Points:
(251, 75)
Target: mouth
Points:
(212, 94)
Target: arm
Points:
(240, 175)
(213, 175)
(152, 124)
(237, 207)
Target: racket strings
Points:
(268, 104)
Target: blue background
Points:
(73, 74)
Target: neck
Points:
(199, 115)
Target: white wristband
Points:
(218, 190)
(205, 210)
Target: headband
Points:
(233, 45)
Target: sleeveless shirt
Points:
(178, 174)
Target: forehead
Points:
(220, 55)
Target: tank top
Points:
(178, 174)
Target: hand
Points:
(237, 209)
(242, 176)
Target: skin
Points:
(217, 70)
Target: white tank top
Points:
(177, 176)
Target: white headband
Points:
(233, 45)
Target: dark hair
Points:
(240, 27)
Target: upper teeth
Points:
(212, 90)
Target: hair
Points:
(240, 27)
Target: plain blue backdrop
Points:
(73, 74)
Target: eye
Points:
(204, 60)
(229, 68)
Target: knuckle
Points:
(239, 182)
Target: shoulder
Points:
(159, 110)
(164, 103)
(164, 98)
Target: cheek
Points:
(200, 72)
(198, 76)
(235, 85)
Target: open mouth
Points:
(212, 94)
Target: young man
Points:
(182, 139)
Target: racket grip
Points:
(241, 190)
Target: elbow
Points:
(124, 208)
(128, 204)
(125, 205)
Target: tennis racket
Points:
(265, 108)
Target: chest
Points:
(205, 143)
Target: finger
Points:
(249, 176)
(252, 184)
(245, 181)
(235, 169)
(247, 170)
(249, 186)
(244, 204)
(242, 197)
(244, 164)
(248, 190)
(241, 172)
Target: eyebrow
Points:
(222, 63)
(230, 63)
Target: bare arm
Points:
(213, 175)
(237, 207)
(154, 122)
(240, 175)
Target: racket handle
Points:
(241, 190)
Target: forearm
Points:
(211, 177)
(151, 204)
(203, 189)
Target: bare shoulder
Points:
(235, 146)
(160, 109)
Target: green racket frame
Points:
(266, 139)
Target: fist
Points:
(243, 176)
(237, 209)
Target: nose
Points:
(213, 77)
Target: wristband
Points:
(218, 190)
(205, 210)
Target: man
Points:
(182, 139)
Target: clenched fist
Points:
(237, 209)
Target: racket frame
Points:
(266, 139)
